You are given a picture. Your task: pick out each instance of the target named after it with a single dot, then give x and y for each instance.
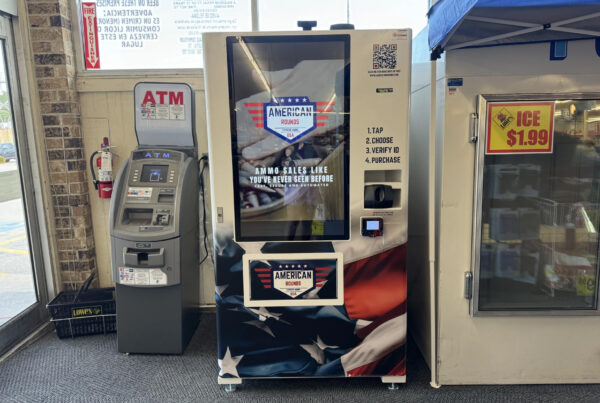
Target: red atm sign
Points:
(174, 98)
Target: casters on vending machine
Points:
(393, 381)
(230, 383)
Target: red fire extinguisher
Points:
(104, 181)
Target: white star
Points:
(315, 352)
(220, 288)
(313, 293)
(322, 344)
(305, 99)
(228, 365)
(297, 100)
(261, 326)
(289, 99)
(263, 313)
(282, 100)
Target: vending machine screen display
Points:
(290, 112)
(154, 173)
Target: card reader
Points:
(371, 226)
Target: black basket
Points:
(84, 312)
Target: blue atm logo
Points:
(157, 155)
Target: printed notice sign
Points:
(520, 127)
(139, 193)
(162, 105)
(134, 276)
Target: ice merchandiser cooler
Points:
(308, 141)
(512, 194)
(154, 225)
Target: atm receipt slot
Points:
(371, 226)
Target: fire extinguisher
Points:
(104, 181)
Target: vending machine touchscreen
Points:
(317, 127)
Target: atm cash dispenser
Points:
(154, 225)
(308, 140)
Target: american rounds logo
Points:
(290, 117)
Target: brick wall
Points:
(51, 41)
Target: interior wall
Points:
(107, 110)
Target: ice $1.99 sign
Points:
(520, 127)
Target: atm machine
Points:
(154, 225)
(308, 146)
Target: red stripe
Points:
(265, 280)
(320, 124)
(258, 118)
(324, 103)
(323, 268)
(263, 275)
(375, 285)
(322, 274)
(255, 111)
(322, 117)
(319, 110)
(260, 125)
(262, 269)
(248, 104)
(266, 286)
(319, 285)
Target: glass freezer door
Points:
(538, 207)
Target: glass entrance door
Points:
(23, 293)
(536, 246)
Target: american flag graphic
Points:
(364, 337)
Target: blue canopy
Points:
(455, 24)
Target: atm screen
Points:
(289, 103)
(154, 173)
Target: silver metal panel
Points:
(167, 124)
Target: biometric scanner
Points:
(154, 225)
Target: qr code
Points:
(384, 56)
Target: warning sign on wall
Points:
(90, 35)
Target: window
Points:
(540, 207)
(154, 34)
(275, 15)
(167, 34)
